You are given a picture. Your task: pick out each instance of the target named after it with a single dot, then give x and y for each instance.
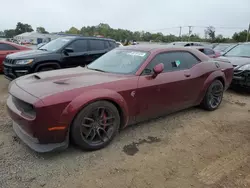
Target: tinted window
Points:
(208, 51)
(79, 46)
(113, 44)
(4, 47)
(97, 45)
(173, 61)
(106, 43)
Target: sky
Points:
(227, 16)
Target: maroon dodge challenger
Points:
(127, 85)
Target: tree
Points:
(41, 30)
(73, 30)
(2, 34)
(210, 31)
(22, 28)
(240, 36)
(9, 33)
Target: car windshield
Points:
(241, 50)
(54, 45)
(119, 61)
(221, 47)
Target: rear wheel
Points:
(95, 126)
(213, 97)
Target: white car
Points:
(119, 44)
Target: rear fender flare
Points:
(213, 76)
(77, 104)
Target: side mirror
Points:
(158, 69)
(68, 50)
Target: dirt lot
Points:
(192, 148)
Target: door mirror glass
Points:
(158, 69)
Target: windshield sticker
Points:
(141, 54)
(177, 62)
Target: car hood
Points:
(28, 54)
(51, 82)
(236, 60)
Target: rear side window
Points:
(208, 51)
(96, 45)
(173, 61)
(113, 44)
(5, 47)
(79, 46)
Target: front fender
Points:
(86, 98)
(213, 76)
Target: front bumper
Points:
(32, 129)
(241, 78)
(12, 71)
(34, 144)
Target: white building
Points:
(35, 37)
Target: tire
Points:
(91, 131)
(215, 90)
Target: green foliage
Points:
(41, 30)
(73, 30)
(22, 28)
(240, 36)
(9, 33)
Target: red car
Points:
(125, 86)
(207, 51)
(9, 48)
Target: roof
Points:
(83, 37)
(153, 47)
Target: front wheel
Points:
(213, 97)
(95, 126)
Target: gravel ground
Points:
(192, 148)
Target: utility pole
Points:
(180, 32)
(248, 32)
(189, 32)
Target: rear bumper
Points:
(34, 144)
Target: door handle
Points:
(187, 74)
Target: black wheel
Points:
(95, 126)
(213, 97)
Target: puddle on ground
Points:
(132, 149)
(240, 103)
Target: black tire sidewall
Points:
(75, 128)
(205, 103)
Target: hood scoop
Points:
(61, 82)
(37, 77)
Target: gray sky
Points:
(147, 15)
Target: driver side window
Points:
(79, 46)
(173, 61)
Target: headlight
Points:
(245, 67)
(24, 61)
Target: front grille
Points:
(9, 61)
(24, 107)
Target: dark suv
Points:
(60, 53)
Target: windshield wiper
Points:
(99, 70)
(43, 49)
